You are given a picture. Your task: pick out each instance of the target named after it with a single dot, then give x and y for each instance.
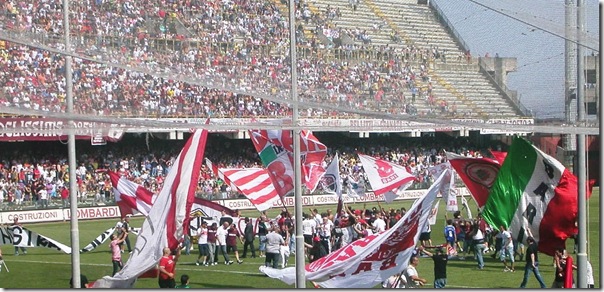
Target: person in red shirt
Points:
(65, 196)
(231, 241)
(167, 268)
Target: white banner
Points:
(20, 236)
(367, 262)
(98, 240)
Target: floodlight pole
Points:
(73, 187)
(581, 165)
(300, 262)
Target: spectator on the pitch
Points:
(274, 241)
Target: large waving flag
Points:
(478, 174)
(332, 183)
(533, 194)
(386, 178)
(368, 261)
(168, 218)
(275, 148)
(254, 183)
(130, 196)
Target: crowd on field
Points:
(35, 176)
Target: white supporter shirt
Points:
(202, 235)
(379, 225)
(221, 235)
(308, 226)
(409, 272)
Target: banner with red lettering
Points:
(49, 129)
(367, 262)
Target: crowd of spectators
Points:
(239, 45)
(30, 174)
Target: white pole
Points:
(300, 262)
(73, 187)
(581, 178)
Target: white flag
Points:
(434, 213)
(451, 193)
(168, 218)
(386, 178)
(23, 237)
(369, 261)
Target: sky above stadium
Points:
(539, 79)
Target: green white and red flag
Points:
(533, 194)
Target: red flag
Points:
(478, 174)
(499, 155)
(130, 196)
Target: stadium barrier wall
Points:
(108, 212)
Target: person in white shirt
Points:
(308, 229)
(379, 224)
(325, 233)
(221, 235)
(507, 249)
(412, 277)
(202, 244)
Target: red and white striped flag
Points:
(168, 219)
(254, 183)
(386, 178)
(130, 196)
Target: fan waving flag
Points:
(533, 194)
(130, 196)
(478, 174)
(168, 219)
(369, 261)
(386, 178)
(254, 183)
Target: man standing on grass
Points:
(116, 252)
(167, 268)
(507, 249)
(249, 236)
(221, 236)
(274, 241)
(532, 263)
(440, 266)
(202, 244)
(126, 230)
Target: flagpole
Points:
(300, 262)
(73, 187)
(582, 218)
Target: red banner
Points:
(49, 129)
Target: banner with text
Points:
(22, 237)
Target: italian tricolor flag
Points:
(533, 194)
